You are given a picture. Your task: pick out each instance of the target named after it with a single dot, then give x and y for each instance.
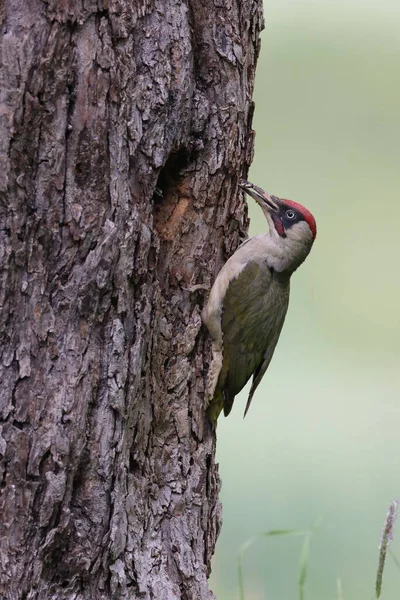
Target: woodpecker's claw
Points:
(196, 287)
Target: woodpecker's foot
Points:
(196, 287)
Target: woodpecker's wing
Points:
(263, 366)
(282, 306)
(253, 312)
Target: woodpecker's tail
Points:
(250, 398)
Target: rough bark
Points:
(124, 126)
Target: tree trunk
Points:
(125, 126)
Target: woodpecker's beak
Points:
(266, 201)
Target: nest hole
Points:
(171, 199)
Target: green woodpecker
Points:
(249, 299)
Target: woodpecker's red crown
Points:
(308, 217)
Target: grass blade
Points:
(303, 565)
(340, 590)
(395, 559)
(288, 532)
(271, 533)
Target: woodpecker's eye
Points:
(290, 214)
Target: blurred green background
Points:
(322, 437)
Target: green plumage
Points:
(253, 312)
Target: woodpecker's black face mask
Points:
(286, 218)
